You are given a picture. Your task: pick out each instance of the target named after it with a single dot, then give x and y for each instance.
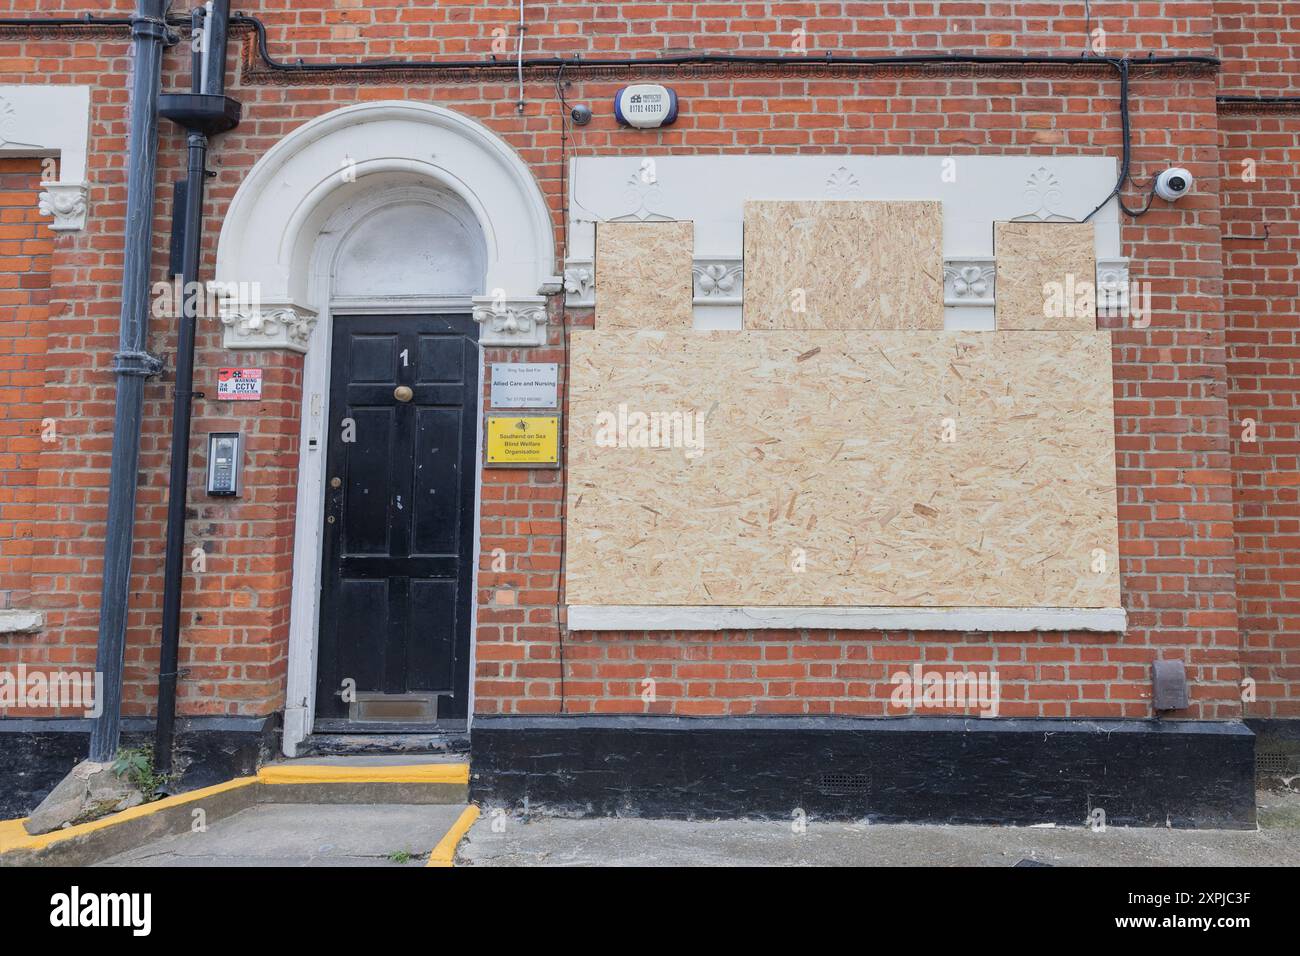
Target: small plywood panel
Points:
(643, 275)
(843, 264)
(880, 469)
(1046, 276)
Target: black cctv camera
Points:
(581, 115)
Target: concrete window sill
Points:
(989, 619)
(21, 622)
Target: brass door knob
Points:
(403, 393)
(336, 482)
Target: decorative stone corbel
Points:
(519, 321)
(68, 203)
(267, 327)
(580, 284)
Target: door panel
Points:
(397, 573)
(433, 519)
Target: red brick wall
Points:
(26, 244)
(402, 29)
(1262, 293)
(1171, 388)
(235, 615)
(1259, 41)
(1173, 460)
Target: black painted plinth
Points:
(917, 770)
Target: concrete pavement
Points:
(305, 834)
(503, 840)
(403, 834)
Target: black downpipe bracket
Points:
(132, 365)
(203, 112)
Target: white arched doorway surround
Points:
(278, 266)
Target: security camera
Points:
(1173, 184)
(581, 115)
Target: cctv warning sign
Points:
(239, 384)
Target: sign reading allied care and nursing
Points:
(519, 385)
(239, 384)
(523, 441)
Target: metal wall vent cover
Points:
(844, 783)
(1271, 763)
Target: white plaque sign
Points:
(518, 385)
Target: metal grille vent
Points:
(1270, 763)
(843, 783)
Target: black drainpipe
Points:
(132, 364)
(203, 112)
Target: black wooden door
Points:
(397, 573)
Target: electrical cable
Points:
(1126, 164)
(520, 57)
(691, 59)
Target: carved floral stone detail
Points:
(66, 203)
(842, 184)
(281, 327)
(968, 282)
(717, 280)
(645, 196)
(511, 322)
(1043, 190)
(579, 282)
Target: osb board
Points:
(643, 275)
(1041, 269)
(824, 450)
(843, 264)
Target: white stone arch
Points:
(293, 222)
(270, 232)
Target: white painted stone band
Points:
(21, 622)
(986, 619)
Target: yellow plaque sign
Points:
(523, 441)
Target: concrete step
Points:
(363, 779)
(345, 745)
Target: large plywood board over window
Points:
(643, 275)
(1046, 276)
(831, 469)
(843, 264)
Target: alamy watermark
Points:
(1077, 297)
(638, 429)
(920, 689)
(206, 299)
(33, 688)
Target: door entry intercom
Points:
(225, 464)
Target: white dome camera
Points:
(1173, 184)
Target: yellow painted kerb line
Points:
(14, 837)
(453, 773)
(445, 851)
